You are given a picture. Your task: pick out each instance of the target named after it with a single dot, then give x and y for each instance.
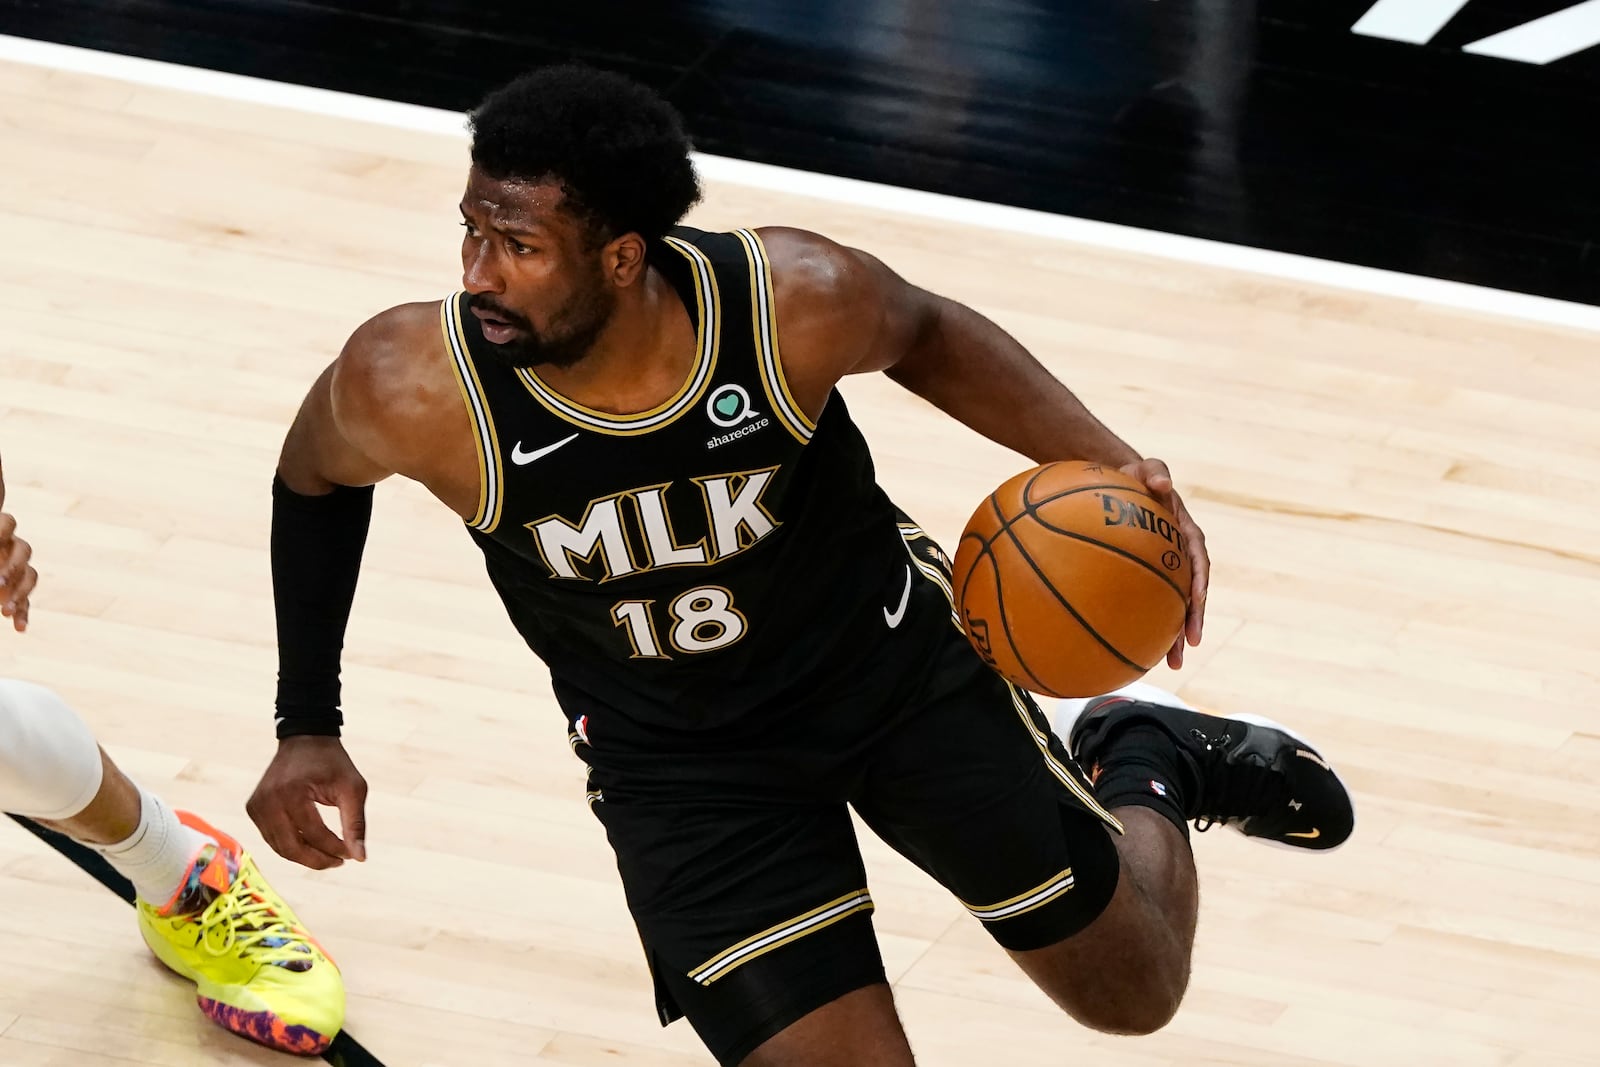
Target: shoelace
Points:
(242, 919)
(1242, 785)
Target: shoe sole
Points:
(205, 990)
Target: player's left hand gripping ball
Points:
(1158, 479)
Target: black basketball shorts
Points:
(749, 890)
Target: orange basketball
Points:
(1071, 579)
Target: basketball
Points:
(1071, 579)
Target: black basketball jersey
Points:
(685, 565)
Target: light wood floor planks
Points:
(1402, 502)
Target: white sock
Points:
(1152, 694)
(1067, 711)
(156, 857)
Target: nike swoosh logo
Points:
(1312, 836)
(521, 458)
(893, 618)
(1314, 758)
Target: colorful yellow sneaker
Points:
(259, 973)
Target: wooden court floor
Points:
(1402, 503)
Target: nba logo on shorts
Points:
(581, 727)
(1157, 788)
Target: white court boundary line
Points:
(1283, 265)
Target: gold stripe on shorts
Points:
(909, 533)
(1056, 885)
(1063, 774)
(729, 959)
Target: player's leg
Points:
(756, 923)
(1145, 748)
(976, 791)
(859, 1027)
(1127, 971)
(979, 792)
(1150, 923)
(1158, 764)
(204, 909)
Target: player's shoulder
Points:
(810, 263)
(394, 333)
(820, 281)
(391, 340)
(386, 357)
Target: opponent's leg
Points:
(52, 771)
(110, 817)
(50, 766)
(203, 908)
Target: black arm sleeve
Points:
(316, 556)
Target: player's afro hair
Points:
(617, 149)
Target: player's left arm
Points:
(841, 311)
(17, 576)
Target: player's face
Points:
(534, 276)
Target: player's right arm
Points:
(351, 431)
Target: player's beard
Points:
(568, 338)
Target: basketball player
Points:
(203, 907)
(638, 425)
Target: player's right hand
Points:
(17, 577)
(1158, 479)
(308, 771)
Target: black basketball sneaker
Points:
(1247, 773)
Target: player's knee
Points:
(49, 761)
(1129, 1015)
(1131, 1001)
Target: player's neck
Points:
(641, 358)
